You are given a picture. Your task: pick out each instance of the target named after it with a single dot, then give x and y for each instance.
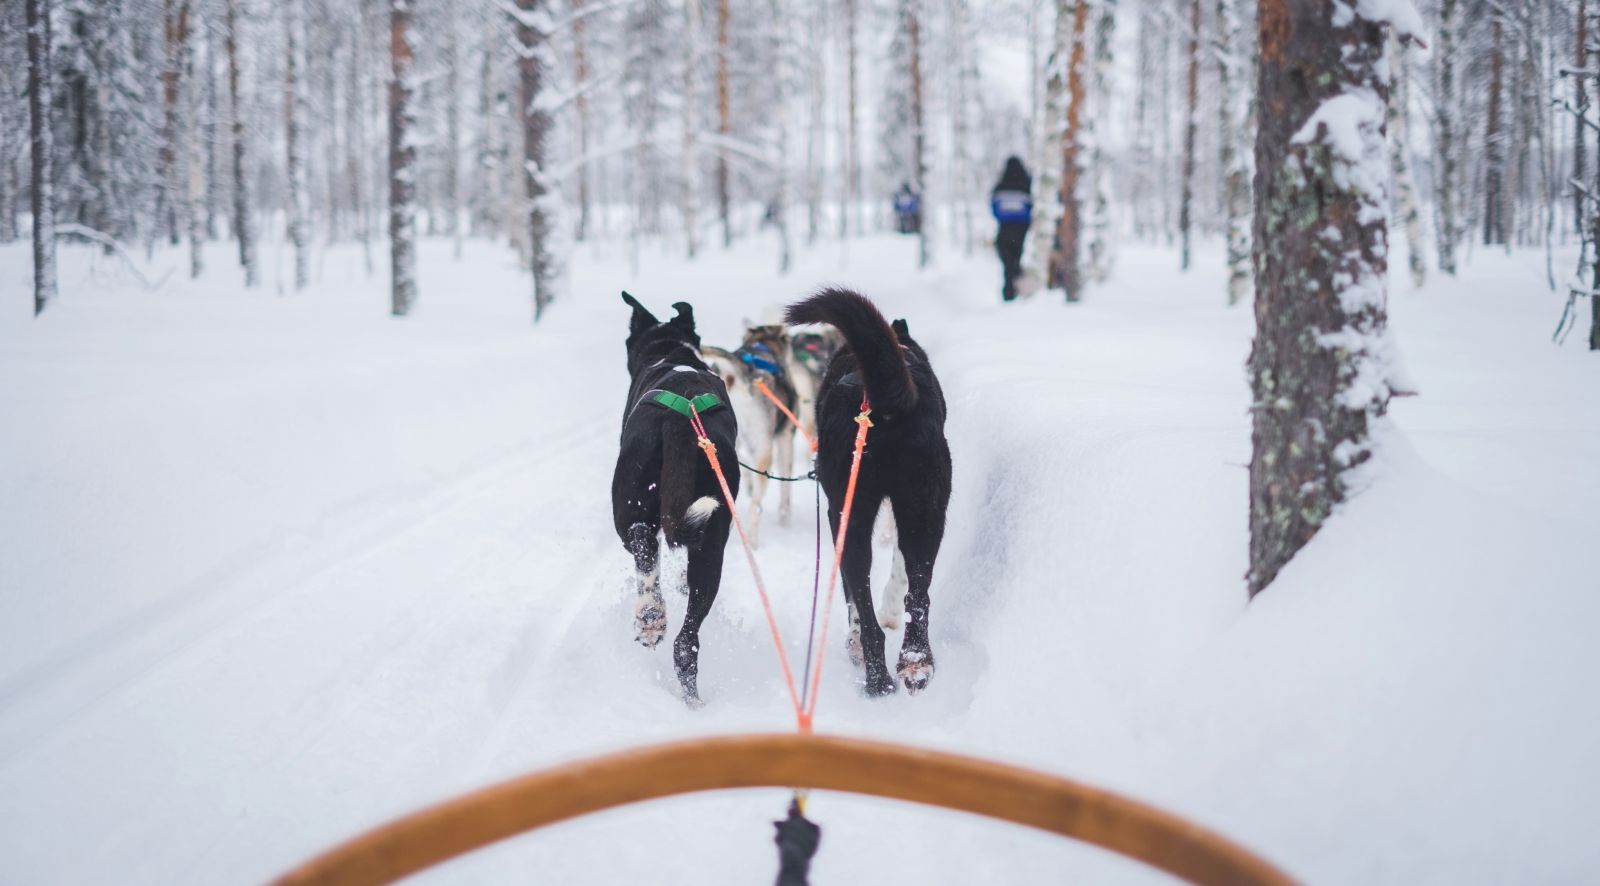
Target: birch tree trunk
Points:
(294, 113)
(1066, 266)
(1317, 367)
(535, 128)
(402, 162)
(1445, 222)
(919, 149)
(244, 222)
(580, 65)
(1400, 153)
(724, 124)
(1494, 226)
(43, 147)
(1047, 192)
(1233, 85)
(1190, 128)
(689, 195)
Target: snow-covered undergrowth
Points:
(278, 568)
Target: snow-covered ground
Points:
(277, 568)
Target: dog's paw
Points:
(649, 620)
(916, 670)
(880, 686)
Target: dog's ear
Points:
(749, 324)
(642, 318)
(685, 318)
(901, 329)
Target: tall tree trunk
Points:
(535, 128)
(402, 162)
(783, 64)
(1580, 101)
(175, 24)
(817, 90)
(580, 66)
(1400, 153)
(852, 209)
(244, 223)
(1233, 79)
(294, 114)
(1444, 109)
(690, 193)
(1494, 227)
(724, 124)
(452, 127)
(919, 161)
(1317, 369)
(1047, 192)
(1066, 265)
(43, 147)
(208, 135)
(1190, 128)
(1100, 234)
(194, 191)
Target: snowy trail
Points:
(287, 570)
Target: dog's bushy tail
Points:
(683, 514)
(874, 343)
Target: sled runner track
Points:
(1020, 796)
(220, 597)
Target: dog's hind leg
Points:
(758, 492)
(649, 609)
(920, 519)
(705, 577)
(892, 608)
(856, 571)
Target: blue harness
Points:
(761, 363)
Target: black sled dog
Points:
(907, 461)
(663, 483)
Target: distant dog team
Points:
(663, 485)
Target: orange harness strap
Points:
(863, 422)
(710, 449)
(761, 385)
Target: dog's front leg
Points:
(649, 610)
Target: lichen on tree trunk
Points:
(1317, 368)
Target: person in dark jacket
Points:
(907, 210)
(1012, 203)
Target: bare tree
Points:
(402, 161)
(724, 123)
(294, 115)
(1494, 224)
(1066, 264)
(1233, 68)
(539, 190)
(1191, 126)
(919, 150)
(1400, 154)
(43, 147)
(244, 223)
(1444, 142)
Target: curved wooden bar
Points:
(1008, 793)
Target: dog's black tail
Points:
(683, 513)
(875, 345)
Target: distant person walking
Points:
(1012, 203)
(907, 210)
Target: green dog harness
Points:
(684, 406)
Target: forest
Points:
(1267, 332)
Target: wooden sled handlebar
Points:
(456, 827)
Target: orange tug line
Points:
(710, 449)
(761, 385)
(804, 709)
